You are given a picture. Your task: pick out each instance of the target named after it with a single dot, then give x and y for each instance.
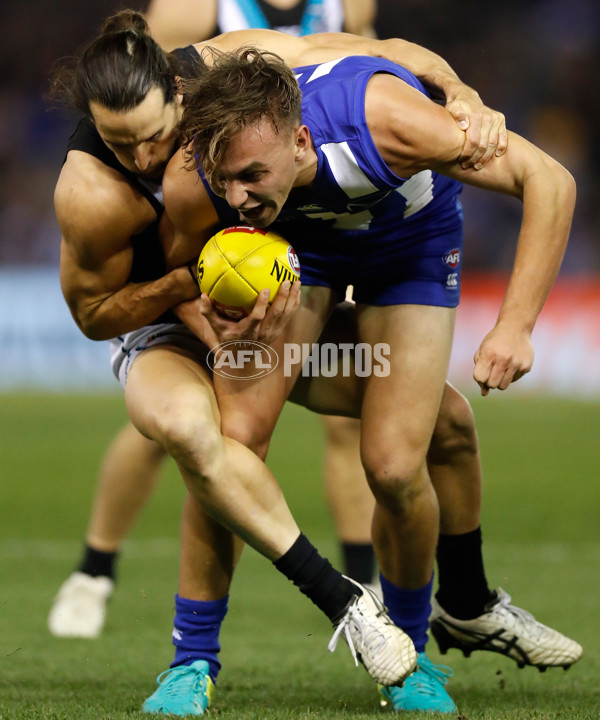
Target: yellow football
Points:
(239, 262)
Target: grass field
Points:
(541, 530)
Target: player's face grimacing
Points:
(143, 139)
(258, 171)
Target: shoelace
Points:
(431, 674)
(188, 679)
(522, 616)
(343, 627)
(372, 637)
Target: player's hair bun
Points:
(125, 20)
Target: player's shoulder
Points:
(85, 183)
(96, 204)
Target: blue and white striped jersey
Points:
(354, 189)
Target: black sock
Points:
(359, 561)
(96, 562)
(317, 579)
(463, 590)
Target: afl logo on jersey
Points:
(293, 260)
(452, 258)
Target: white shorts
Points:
(126, 348)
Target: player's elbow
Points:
(568, 187)
(92, 324)
(564, 188)
(93, 330)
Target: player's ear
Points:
(302, 136)
(179, 92)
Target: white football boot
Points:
(387, 652)
(505, 629)
(375, 587)
(79, 609)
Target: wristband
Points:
(192, 268)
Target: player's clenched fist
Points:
(504, 356)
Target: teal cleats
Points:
(182, 690)
(423, 690)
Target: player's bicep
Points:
(97, 233)
(92, 270)
(98, 213)
(411, 132)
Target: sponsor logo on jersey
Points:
(452, 258)
(452, 281)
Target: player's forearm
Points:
(190, 315)
(548, 204)
(134, 306)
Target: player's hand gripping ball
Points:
(239, 262)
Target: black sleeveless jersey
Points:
(148, 256)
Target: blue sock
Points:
(196, 632)
(409, 609)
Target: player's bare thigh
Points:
(399, 410)
(168, 392)
(250, 408)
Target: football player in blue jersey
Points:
(175, 23)
(353, 163)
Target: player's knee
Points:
(395, 480)
(252, 432)
(190, 436)
(455, 430)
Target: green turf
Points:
(541, 535)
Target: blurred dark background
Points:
(536, 61)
